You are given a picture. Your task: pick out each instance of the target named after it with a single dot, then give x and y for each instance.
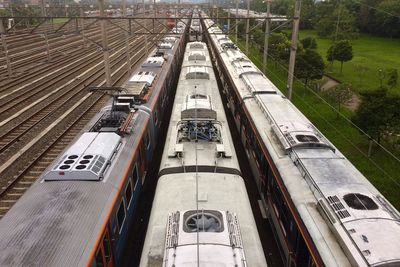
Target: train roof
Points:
(42, 228)
(58, 220)
(217, 192)
(348, 219)
(198, 99)
(200, 194)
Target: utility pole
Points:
(43, 8)
(106, 52)
(229, 20)
(216, 6)
(82, 22)
(3, 40)
(236, 20)
(247, 27)
(293, 48)
(128, 55)
(266, 36)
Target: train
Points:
(201, 214)
(195, 33)
(323, 210)
(80, 209)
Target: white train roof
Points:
(331, 195)
(217, 192)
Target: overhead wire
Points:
(330, 124)
(332, 107)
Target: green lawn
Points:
(59, 20)
(382, 170)
(373, 52)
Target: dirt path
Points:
(352, 104)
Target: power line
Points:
(331, 125)
(338, 112)
(378, 9)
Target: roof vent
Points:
(360, 202)
(203, 221)
(87, 159)
(196, 45)
(338, 207)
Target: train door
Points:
(104, 256)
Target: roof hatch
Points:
(298, 135)
(86, 159)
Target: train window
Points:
(147, 140)
(99, 258)
(106, 246)
(121, 215)
(155, 117)
(135, 176)
(128, 193)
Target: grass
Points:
(59, 20)
(375, 53)
(380, 169)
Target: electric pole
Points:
(247, 27)
(106, 52)
(236, 19)
(266, 36)
(293, 48)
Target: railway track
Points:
(33, 51)
(38, 150)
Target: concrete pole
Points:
(154, 10)
(3, 40)
(229, 20)
(217, 12)
(128, 55)
(247, 27)
(106, 53)
(82, 22)
(266, 36)
(236, 20)
(42, 5)
(293, 47)
(124, 8)
(47, 47)
(146, 48)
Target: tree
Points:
(392, 78)
(309, 43)
(309, 66)
(386, 20)
(379, 115)
(341, 51)
(361, 70)
(337, 22)
(340, 94)
(279, 46)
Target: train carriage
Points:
(324, 211)
(79, 211)
(201, 207)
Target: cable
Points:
(340, 133)
(332, 107)
(378, 9)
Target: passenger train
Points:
(324, 211)
(195, 33)
(79, 211)
(201, 214)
